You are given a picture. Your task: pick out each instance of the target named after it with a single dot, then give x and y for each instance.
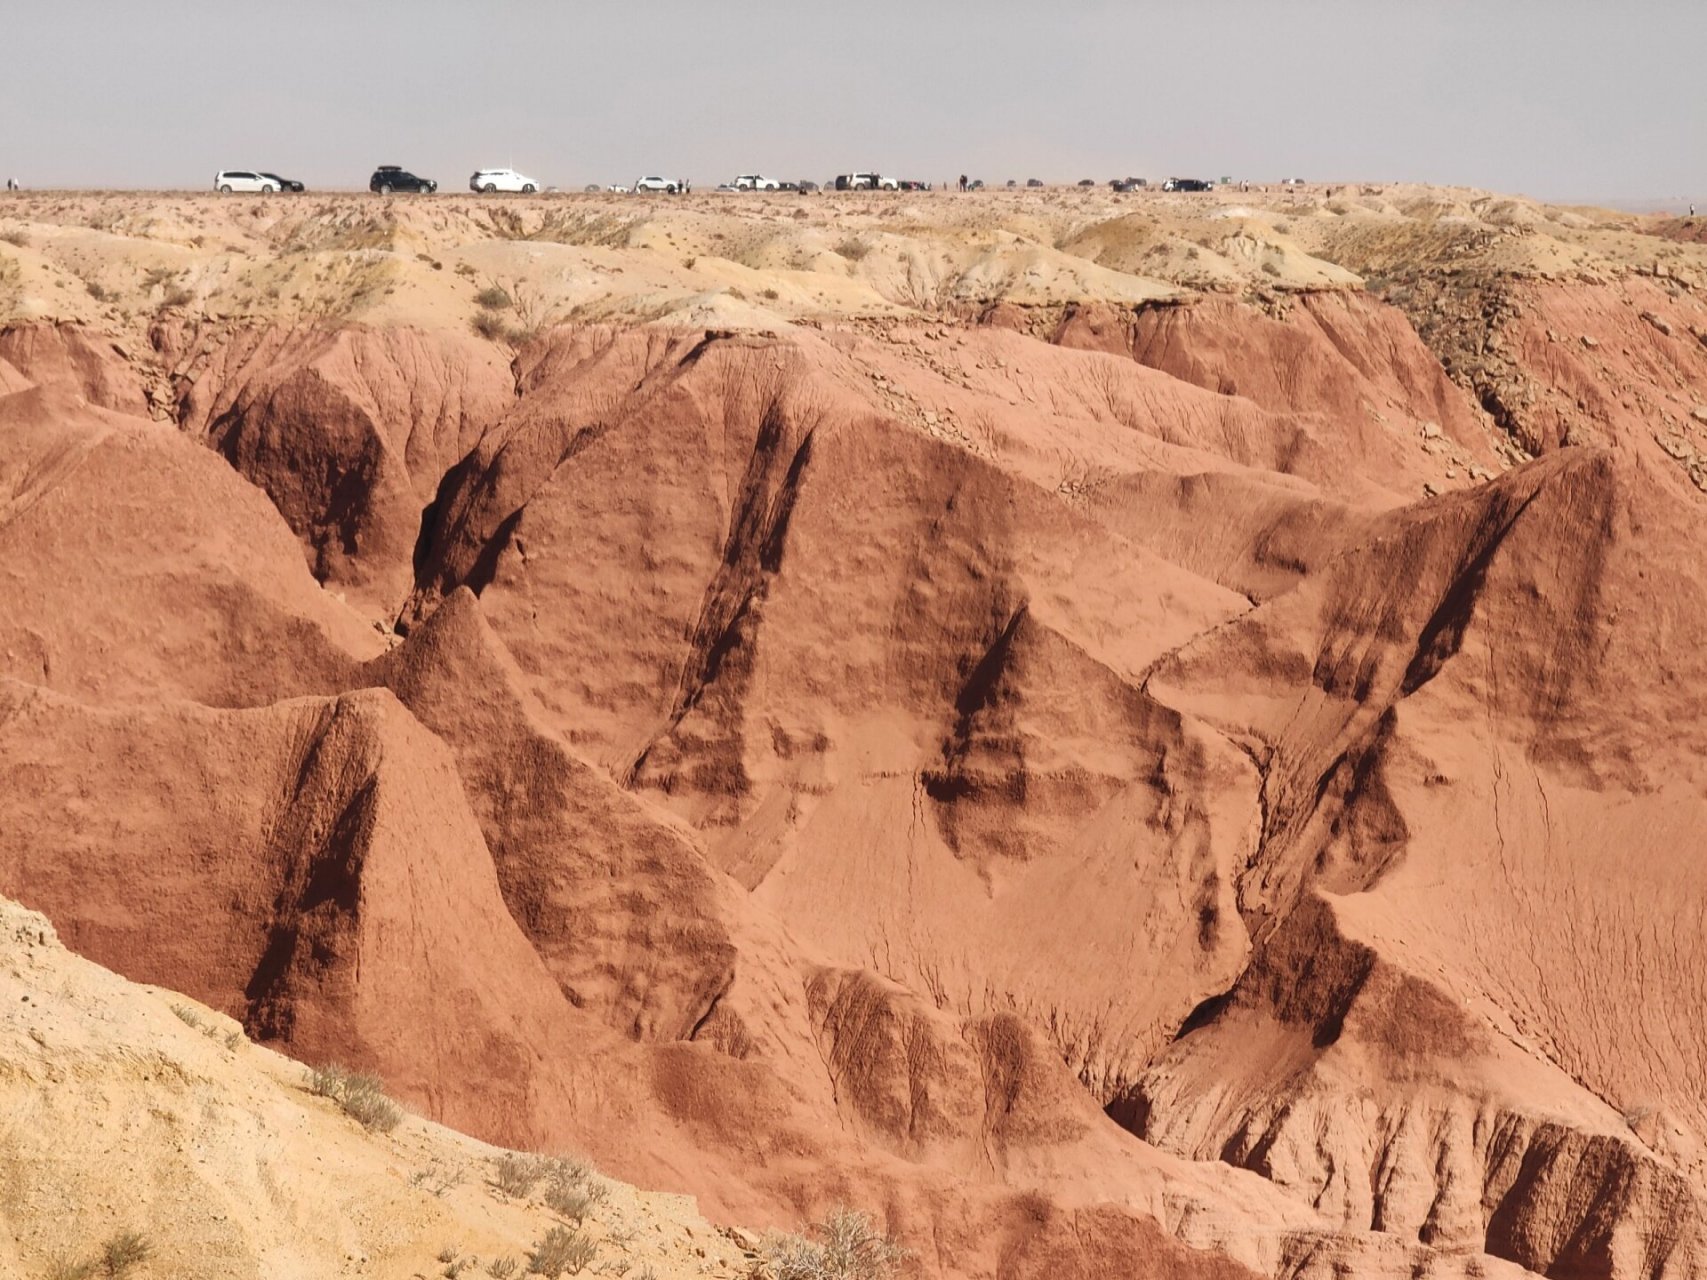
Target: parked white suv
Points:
(228, 180)
(502, 180)
(866, 182)
(756, 182)
(669, 186)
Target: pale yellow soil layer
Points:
(119, 260)
(126, 1108)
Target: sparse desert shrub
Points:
(438, 1177)
(503, 1268)
(561, 1250)
(490, 325)
(361, 1097)
(1285, 228)
(69, 1269)
(97, 290)
(769, 295)
(188, 1016)
(17, 239)
(122, 1252)
(177, 296)
(853, 249)
(1269, 269)
(493, 298)
(572, 1188)
(569, 1170)
(848, 1248)
(516, 1175)
(570, 1202)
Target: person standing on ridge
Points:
(963, 182)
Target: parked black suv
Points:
(285, 184)
(389, 177)
(1187, 184)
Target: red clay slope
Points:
(1087, 805)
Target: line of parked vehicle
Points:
(390, 178)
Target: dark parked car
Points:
(1187, 184)
(1034, 182)
(1087, 182)
(1128, 184)
(285, 184)
(806, 187)
(389, 177)
(913, 184)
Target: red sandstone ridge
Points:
(1196, 775)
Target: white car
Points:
(228, 180)
(756, 182)
(866, 182)
(669, 186)
(502, 180)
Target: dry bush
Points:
(97, 290)
(17, 239)
(516, 1175)
(439, 1177)
(572, 1190)
(503, 1268)
(361, 1097)
(561, 1250)
(853, 249)
(177, 296)
(490, 325)
(188, 1016)
(848, 1248)
(494, 298)
(122, 1252)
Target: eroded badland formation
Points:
(1149, 736)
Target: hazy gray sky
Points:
(1556, 98)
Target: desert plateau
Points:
(1145, 734)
